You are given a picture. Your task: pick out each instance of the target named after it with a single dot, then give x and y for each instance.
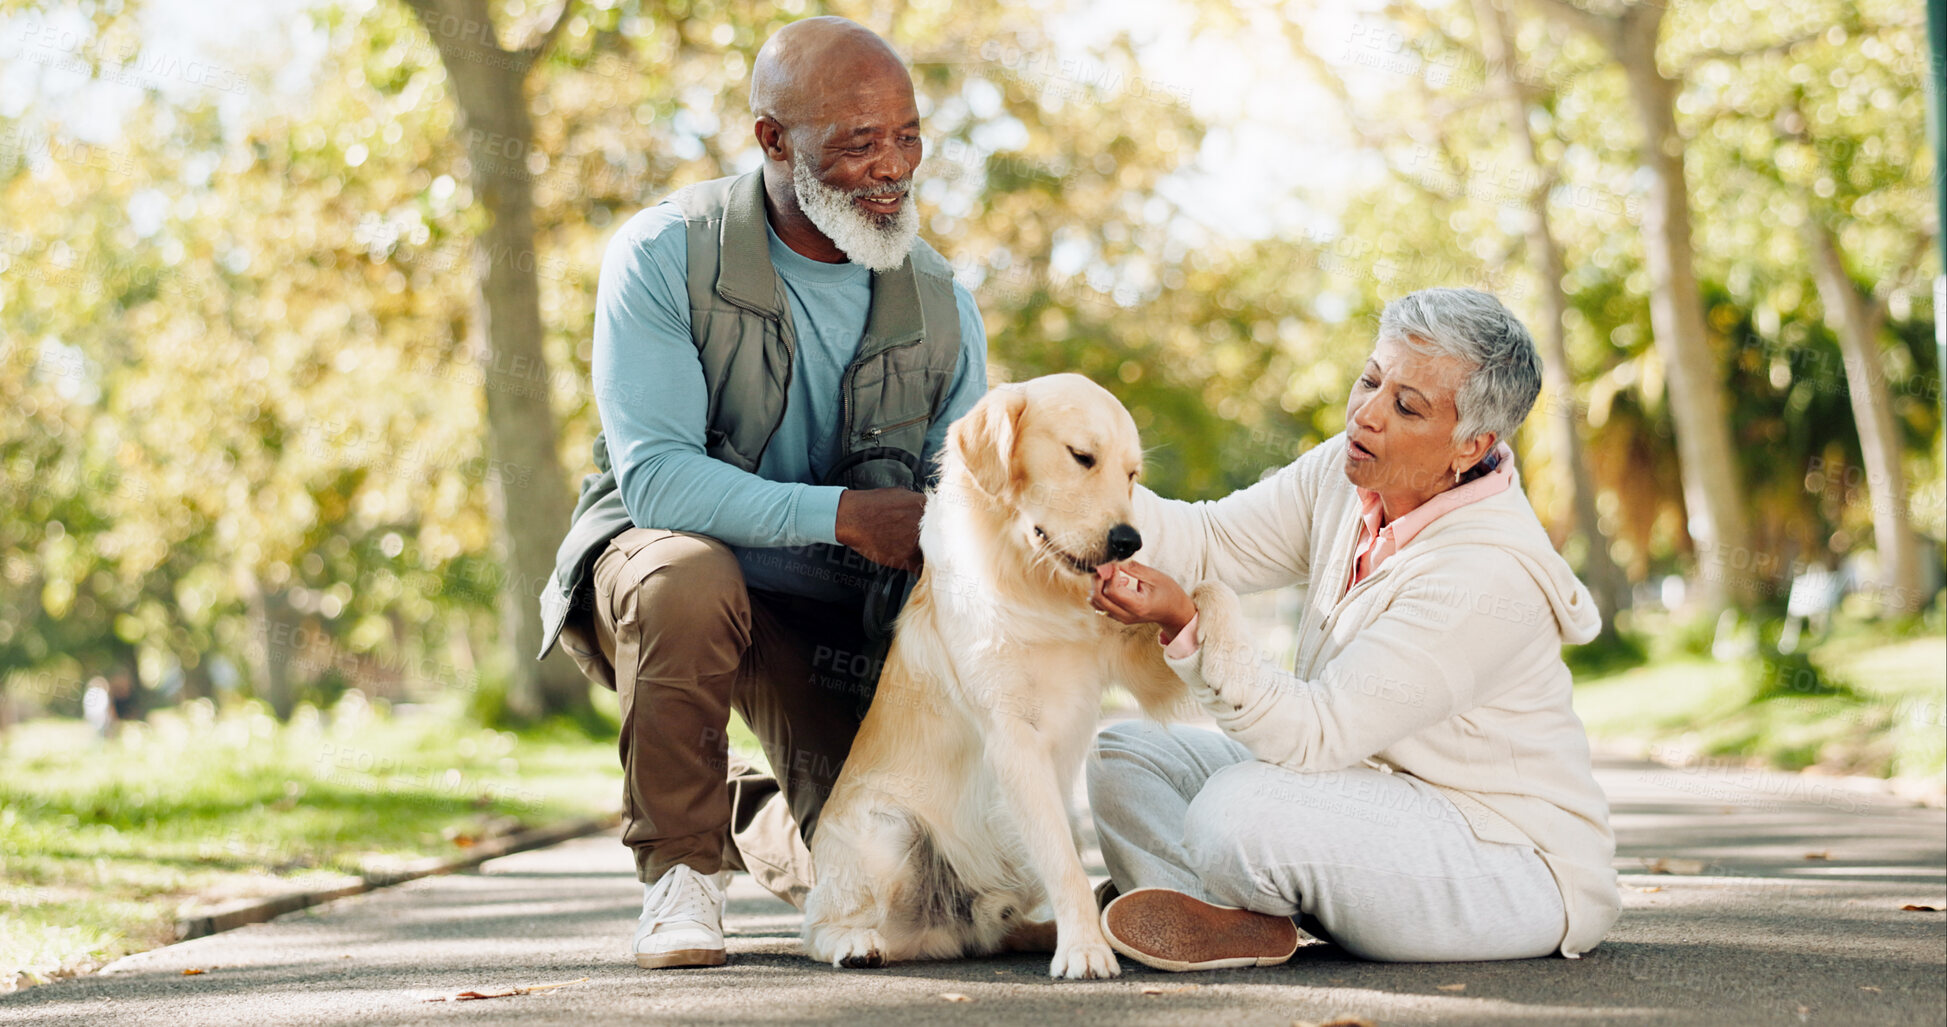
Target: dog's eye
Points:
(1085, 459)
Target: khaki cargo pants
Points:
(681, 640)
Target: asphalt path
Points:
(1749, 899)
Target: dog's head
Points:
(1059, 457)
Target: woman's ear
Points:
(1473, 451)
(984, 438)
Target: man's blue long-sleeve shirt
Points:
(650, 391)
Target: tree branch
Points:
(1703, 57)
(472, 27)
(537, 47)
(1601, 26)
(1330, 78)
(1876, 309)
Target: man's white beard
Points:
(880, 243)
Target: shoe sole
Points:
(1161, 928)
(679, 958)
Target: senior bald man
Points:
(777, 357)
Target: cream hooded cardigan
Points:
(1445, 663)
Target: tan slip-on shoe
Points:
(1168, 930)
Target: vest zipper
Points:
(872, 433)
(851, 374)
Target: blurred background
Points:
(283, 476)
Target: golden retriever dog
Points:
(949, 825)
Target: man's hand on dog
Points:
(1135, 593)
(882, 525)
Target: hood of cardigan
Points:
(1506, 521)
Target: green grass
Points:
(104, 843)
(1872, 702)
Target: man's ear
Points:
(984, 438)
(770, 136)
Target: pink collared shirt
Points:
(1377, 540)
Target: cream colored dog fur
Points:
(949, 826)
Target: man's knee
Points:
(680, 589)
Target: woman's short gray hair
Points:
(1475, 327)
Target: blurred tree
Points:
(1712, 486)
(1815, 120)
(489, 85)
(1452, 150)
(244, 424)
(1495, 31)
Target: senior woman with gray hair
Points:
(1420, 788)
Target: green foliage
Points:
(101, 842)
(1608, 654)
(242, 401)
(1781, 675)
(1866, 700)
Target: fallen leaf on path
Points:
(1915, 908)
(1651, 888)
(191, 972)
(954, 996)
(1821, 854)
(525, 989)
(1337, 1021)
(1667, 865)
(1450, 987)
(1156, 989)
(1867, 987)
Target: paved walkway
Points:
(1751, 899)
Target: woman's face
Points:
(1399, 425)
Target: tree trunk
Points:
(1712, 492)
(280, 630)
(1856, 320)
(1605, 579)
(530, 493)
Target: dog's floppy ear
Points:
(984, 438)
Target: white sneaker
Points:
(682, 920)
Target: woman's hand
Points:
(1135, 593)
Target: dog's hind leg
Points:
(864, 866)
(997, 921)
(1031, 936)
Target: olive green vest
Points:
(740, 320)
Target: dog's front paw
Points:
(859, 949)
(1077, 961)
(1218, 610)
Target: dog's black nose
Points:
(1123, 542)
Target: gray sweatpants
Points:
(1383, 862)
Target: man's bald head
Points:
(839, 126)
(807, 64)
